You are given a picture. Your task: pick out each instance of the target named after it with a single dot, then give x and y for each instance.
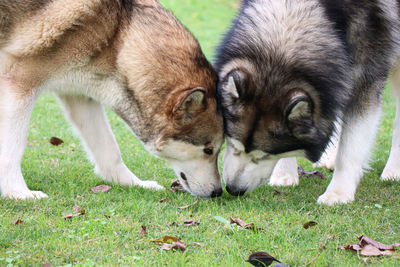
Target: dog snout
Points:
(234, 191)
(216, 193)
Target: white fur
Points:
(248, 171)
(327, 160)
(87, 116)
(392, 168)
(90, 121)
(354, 150)
(201, 170)
(15, 112)
(285, 173)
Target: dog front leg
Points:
(89, 119)
(15, 110)
(356, 142)
(285, 173)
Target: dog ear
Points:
(193, 103)
(236, 82)
(299, 116)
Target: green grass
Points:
(93, 239)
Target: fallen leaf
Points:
(143, 231)
(368, 241)
(175, 245)
(261, 259)
(369, 247)
(101, 188)
(107, 216)
(241, 223)
(188, 206)
(309, 224)
(163, 200)
(77, 211)
(18, 221)
(371, 251)
(313, 174)
(190, 223)
(277, 192)
(176, 186)
(55, 141)
(166, 239)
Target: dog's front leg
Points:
(15, 110)
(285, 173)
(355, 145)
(89, 119)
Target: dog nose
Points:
(216, 193)
(234, 191)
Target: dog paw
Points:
(285, 179)
(327, 164)
(151, 185)
(25, 194)
(331, 198)
(390, 175)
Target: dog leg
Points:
(89, 119)
(392, 168)
(285, 173)
(327, 160)
(15, 112)
(355, 145)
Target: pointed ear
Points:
(192, 104)
(235, 84)
(299, 106)
(299, 116)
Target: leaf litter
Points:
(77, 211)
(170, 243)
(371, 248)
(312, 174)
(55, 141)
(101, 188)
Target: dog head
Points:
(284, 80)
(171, 89)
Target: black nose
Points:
(235, 191)
(216, 193)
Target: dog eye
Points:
(208, 151)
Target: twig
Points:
(308, 264)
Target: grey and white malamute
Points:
(289, 69)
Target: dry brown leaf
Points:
(165, 239)
(143, 231)
(309, 224)
(18, 221)
(163, 200)
(190, 223)
(55, 141)
(241, 223)
(77, 211)
(313, 174)
(175, 246)
(101, 188)
(368, 241)
(371, 251)
(261, 258)
(188, 206)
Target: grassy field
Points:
(108, 234)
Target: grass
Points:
(94, 239)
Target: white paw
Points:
(327, 164)
(25, 194)
(150, 185)
(285, 179)
(333, 197)
(390, 174)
